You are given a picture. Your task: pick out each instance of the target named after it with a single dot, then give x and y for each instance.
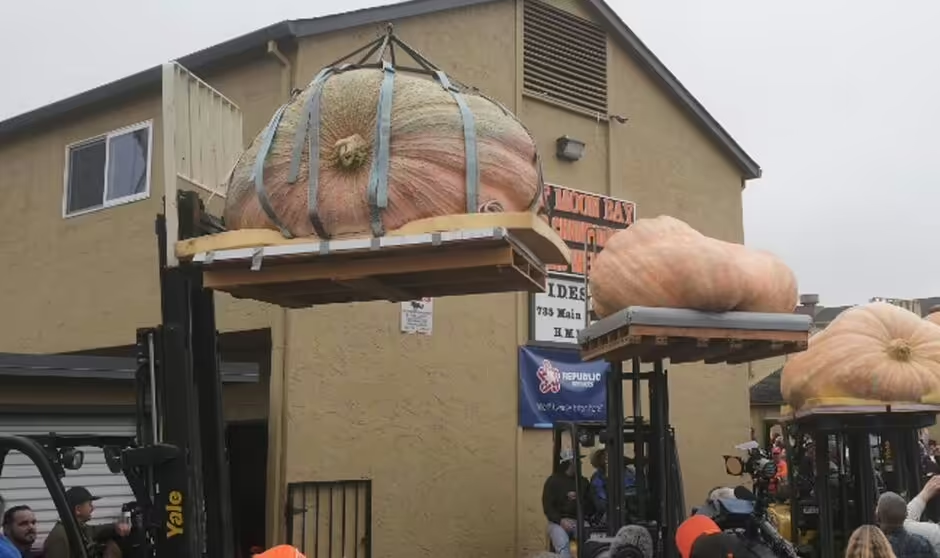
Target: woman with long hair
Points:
(868, 542)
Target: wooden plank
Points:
(715, 333)
(377, 288)
(683, 350)
(528, 228)
(222, 279)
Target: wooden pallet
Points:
(684, 345)
(444, 256)
(684, 336)
(852, 406)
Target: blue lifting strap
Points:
(378, 181)
(309, 129)
(258, 171)
(470, 142)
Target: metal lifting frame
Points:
(660, 451)
(185, 493)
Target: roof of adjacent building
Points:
(90, 367)
(767, 391)
(298, 29)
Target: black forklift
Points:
(841, 459)
(177, 465)
(641, 498)
(643, 335)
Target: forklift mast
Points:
(180, 471)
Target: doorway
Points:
(247, 444)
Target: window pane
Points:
(86, 176)
(127, 164)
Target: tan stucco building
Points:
(431, 421)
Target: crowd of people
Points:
(899, 532)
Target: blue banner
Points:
(555, 385)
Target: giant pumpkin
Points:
(933, 315)
(360, 186)
(874, 352)
(663, 262)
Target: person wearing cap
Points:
(560, 503)
(81, 502)
(7, 548)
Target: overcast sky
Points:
(839, 101)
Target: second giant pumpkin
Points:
(663, 262)
(426, 165)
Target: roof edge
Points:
(378, 14)
(141, 81)
(295, 29)
(672, 84)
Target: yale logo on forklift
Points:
(174, 514)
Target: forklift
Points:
(641, 502)
(659, 335)
(177, 465)
(841, 459)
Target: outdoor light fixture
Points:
(72, 458)
(569, 149)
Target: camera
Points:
(758, 464)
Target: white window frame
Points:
(148, 125)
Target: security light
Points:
(569, 149)
(72, 458)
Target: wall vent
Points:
(565, 57)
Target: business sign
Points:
(558, 314)
(559, 311)
(555, 385)
(573, 214)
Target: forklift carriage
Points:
(642, 502)
(655, 335)
(842, 458)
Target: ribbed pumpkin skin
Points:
(876, 351)
(663, 262)
(427, 170)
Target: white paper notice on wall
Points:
(417, 316)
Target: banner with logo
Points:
(555, 385)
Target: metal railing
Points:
(330, 519)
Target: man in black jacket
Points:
(891, 513)
(560, 503)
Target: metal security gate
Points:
(20, 483)
(330, 519)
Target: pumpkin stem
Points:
(351, 152)
(899, 350)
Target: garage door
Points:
(21, 484)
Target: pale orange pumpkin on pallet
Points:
(875, 352)
(663, 262)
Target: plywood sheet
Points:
(531, 231)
